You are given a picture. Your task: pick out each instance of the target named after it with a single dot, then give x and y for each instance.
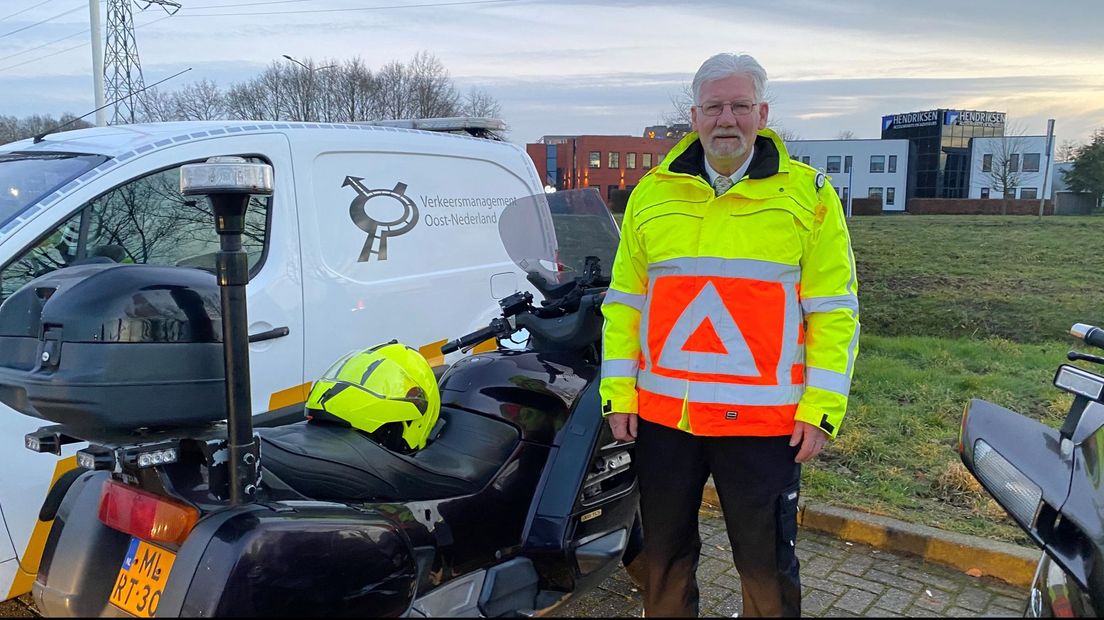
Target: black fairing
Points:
(536, 391)
(93, 346)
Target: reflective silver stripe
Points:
(644, 324)
(726, 268)
(614, 296)
(827, 304)
(624, 369)
(789, 355)
(706, 392)
(828, 380)
(851, 349)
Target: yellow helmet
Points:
(388, 391)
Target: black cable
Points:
(48, 19)
(25, 10)
(368, 8)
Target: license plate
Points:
(142, 578)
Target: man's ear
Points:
(764, 111)
(694, 118)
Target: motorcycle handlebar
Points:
(1088, 334)
(471, 339)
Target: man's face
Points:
(727, 138)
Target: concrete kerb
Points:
(1012, 564)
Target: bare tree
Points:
(479, 103)
(1003, 167)
(392, 95)
(846, 134)
(13, 128)
(681, 102)
(431, 91)
(1067, 150)
(200, 101)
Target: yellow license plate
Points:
(142, 578)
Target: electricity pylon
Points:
(122, 67)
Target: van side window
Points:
(147, 221)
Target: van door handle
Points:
(276, 332)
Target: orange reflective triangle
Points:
(705, 340)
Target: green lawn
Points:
(953, 308)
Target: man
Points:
(730, 337)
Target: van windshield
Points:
(26, 177)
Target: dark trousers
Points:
(757, 482)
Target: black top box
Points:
(108, 346)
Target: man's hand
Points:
(623, 426)
(811, 438)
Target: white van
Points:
(371, 233)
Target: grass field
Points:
(953, 308)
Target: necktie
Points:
(721, 184)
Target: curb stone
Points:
(1012, 564)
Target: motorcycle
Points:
(180, 507)
(1051, 482)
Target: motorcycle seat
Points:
(335, 463)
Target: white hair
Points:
(726, 65)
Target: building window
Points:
(874, 192)
(614, 160)
(630, 161)
(1010, 192)
(890, 194)
(805, 159)
(646, 160)
(833, 164)
(1029, 192)
(877, 163)
(987, 162)
(610, 189)
(847, 164)
(985, 192)
(846, 195)
(1014, 162)
(1031, 162)
(595, 159)
(892, 167)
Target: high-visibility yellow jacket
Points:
(737, 314)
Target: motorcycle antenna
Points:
(42, 136)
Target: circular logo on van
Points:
(379, 229)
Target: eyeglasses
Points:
(739, 108)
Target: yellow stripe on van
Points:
(486, 346)
(432, 352)
(33, 554)
(290, 396)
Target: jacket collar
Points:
(770, 158)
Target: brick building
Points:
(611, 164)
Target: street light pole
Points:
(97, 62)
(307, 111)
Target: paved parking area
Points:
(839, 579)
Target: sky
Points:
(613, 66)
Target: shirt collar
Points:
(735, 176)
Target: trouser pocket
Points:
(787, 531)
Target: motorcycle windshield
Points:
(550, 235)
(26, 177)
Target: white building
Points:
(859, 168)
(1011, 164)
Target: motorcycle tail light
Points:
(145, 515)
(1015, 491)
